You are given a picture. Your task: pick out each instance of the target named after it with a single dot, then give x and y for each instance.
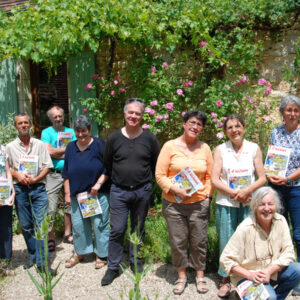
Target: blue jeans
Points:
(287, 279)
(228, 218)
(290, 199)
(121, 202)
(6, 232)
(32, 206)
(82, 229)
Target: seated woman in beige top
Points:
(261, 249)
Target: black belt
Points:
(56, 171)
(132, 187)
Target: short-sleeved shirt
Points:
(83, 168)
(16, 149)
(231, 161)
(49, 136)
(280, 137)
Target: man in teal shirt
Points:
(54, 183)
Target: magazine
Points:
(277, 160)
(28, 164)
(5, 189)
(247, 290)
(2, 163)
(239, 178)
(88, 204)
(63, 139)
(187, 178)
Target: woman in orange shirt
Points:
(187, 218)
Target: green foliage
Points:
(8, 132)
(156, 245)
(45, 288)
(52, 30)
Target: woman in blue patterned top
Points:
(288, 186)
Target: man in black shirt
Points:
(130, 157)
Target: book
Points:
(89, 205)
(63, 139)
(248, 290)
(5, 189)
(28, 164)
(239, 178)
(277, 160)
(187, 178)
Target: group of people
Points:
(254, 239)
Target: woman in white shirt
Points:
(233, 175)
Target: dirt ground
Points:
(83, 281)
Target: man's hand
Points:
(23, 178)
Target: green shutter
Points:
(8, 89)
(81, 69)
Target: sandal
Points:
(224, 290)
(100, 263)
(179, 287)
(51, 245)
(73, 261)
(66, 239)
(200, 285)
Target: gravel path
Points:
(83, 281)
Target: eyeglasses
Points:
(194, 123)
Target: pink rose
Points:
(165, 65)
(112, 92)
(220, 124)
(219, 103)
(166, 116)
(158, 131)
(88, 87)
(145, 126)
(179, 92)
(147, 109)
(102, 78)
(267, 119)
(151, 112)
(183, 113)
(170, 106)
(117, 77)
(255, 105)
(243, 79)
(202, 43)
(116, 82)
(235, 102)
(103, 87)
(268, 91)
(215, 120)
(237, 83)
(85, 111)
(213, 115)
(153, 69)
(190, 82)
(262, 81)
(95, 76)
(186, 84)
(154, 103)
(158, 118)
(250, 100)
(122, 90)
(220, 135)
(224, 118)
(267, 105)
